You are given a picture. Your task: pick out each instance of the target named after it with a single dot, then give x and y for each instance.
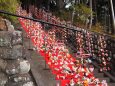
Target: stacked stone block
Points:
(14, 69)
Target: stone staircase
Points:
(103, 76)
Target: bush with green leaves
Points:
(83, 12)
(9, 6)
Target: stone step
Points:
(96, 70)
(111, 84)
(105, 78)
(99, 75)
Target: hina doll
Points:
(104, 83)
(85, 82)
(72, 83)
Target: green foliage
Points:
(83, 12)
(9, 6)
(71, 8)
(98, 28)
(63, 14)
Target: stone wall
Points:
(2, 24)
(14, 69)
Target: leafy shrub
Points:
(9, 6)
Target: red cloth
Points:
(38, 42)
(64, 82)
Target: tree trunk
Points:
(48, 5)
(60, 4)
(73, 13)
(113, 16)
(91, 16)
(96, 20)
